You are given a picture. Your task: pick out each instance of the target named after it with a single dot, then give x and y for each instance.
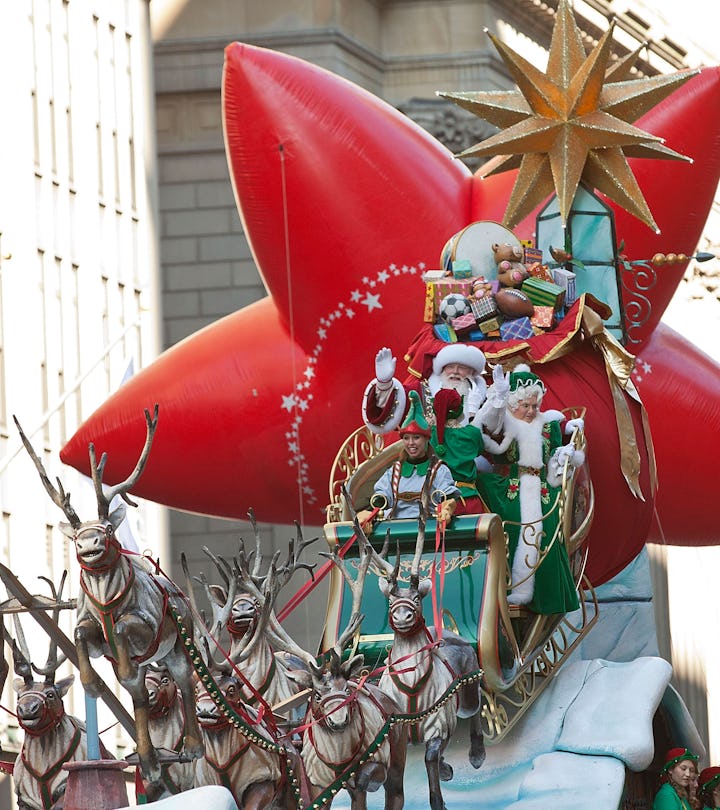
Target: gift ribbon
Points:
(619, 365)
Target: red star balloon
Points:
(345, 201)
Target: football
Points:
(453, 306)
(513, 303)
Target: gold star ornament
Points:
(569, 125)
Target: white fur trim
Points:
(396, 415)
(459, 353)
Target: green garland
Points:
(246, 730)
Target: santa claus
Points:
(457, 366)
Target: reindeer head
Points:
(39, 704)
(334, 689)
(209, 716)
(96, 546)
(162, 690)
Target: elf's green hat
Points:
(415, 421)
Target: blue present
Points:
(516, 329)
(444, 332)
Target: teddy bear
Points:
(511, 272)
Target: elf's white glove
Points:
(384, 366)
(572, 424)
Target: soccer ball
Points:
(453, 306)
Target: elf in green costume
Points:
(458, 445)
(709, 788)
(533, 456)
(676, 775)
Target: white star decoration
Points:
(293, 403)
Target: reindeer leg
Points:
(132, 678)
(88, 633)
(433, 758)
(258, 796)
(477, 741)
(182, 673)
(394, 789)
(372, 775)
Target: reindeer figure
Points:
(252, 773)
(52, 737)
(345, 717)
(166, 724)
(419, 671)
(242, 616)
(124, 609)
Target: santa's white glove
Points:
(573, 424)
(475, 398)
(566, 453)
(384, 366)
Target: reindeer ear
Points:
(385, 586)
(117, 516)
(219, 593)
(424, 587)
(301, 677)
(353, 666)
(67, 529)
(64, 684)
(18, 684)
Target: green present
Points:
(461, 268)
(544, 293)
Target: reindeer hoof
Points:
(477, 750)
(445, 770)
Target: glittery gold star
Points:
(570, 124)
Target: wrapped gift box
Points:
(463, 323)
(537, 270)
(489, 325)
(544, 293)
(543, 317)
(516, 329)
(433, 275)
(445, 286)
(566, 279)
(461, 268)
(429, 305)
(444, 332)
(533, 255)
(483, 308)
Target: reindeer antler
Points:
(52, 664)
(58, 496)
(97, 469)
(419, 547)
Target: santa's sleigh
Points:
(518, 651)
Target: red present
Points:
(543, 317)
(541, 271)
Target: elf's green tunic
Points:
(459, 449)
(554, 587)
(667, 799)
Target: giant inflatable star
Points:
(345, 202)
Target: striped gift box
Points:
(544, 293)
